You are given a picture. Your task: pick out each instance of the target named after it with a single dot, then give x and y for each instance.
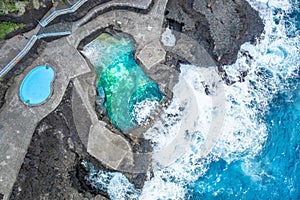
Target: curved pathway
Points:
(135, 4)
(57, 13)
(27, 48)
(18, 121)
(34, 38)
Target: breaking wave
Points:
(224, 135)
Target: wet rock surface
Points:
(220, 26)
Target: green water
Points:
(124, 83)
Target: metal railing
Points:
(57, 13)
(34, 38)
(27, 48)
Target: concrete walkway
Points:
(136, 4)
(7, 50)
(14, 45)
(57, 13)
(18, 121)
(110, 148)
(27, 48)
(144, 28)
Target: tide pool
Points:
(36, 86)
(124, 83)
(255, 148)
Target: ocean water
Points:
(274, 172)
(245, 141)
(241, 141)
(122, 85)
(114, 183)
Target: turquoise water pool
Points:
(127, 89)
(36, 86)
(256, 153)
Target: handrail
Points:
(27, 48)
(107, 5)
(53, 34)
(46, 21)
(57, 13)
(34, 38)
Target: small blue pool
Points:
(36, 86)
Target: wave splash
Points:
(241, 136)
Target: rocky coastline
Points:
(218, 25)
(51, 167)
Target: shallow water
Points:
(36, 86)
(121, 81)
(244, 141)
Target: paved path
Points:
(35, 37)
(16, 44)
(27, 48)
(18, 121)
(13, 46)
(57, 13)
(116, 4)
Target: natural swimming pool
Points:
(257, 153)
(36, 86)
(126, 87)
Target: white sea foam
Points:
(143, 109)
(121, 189)
(242, 132)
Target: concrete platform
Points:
(109, 148)
(151, 55)
(18, 121)
(144, 28)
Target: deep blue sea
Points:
(241, 141)
(275, 172)
(256, 151)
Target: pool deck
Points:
(19, 121)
